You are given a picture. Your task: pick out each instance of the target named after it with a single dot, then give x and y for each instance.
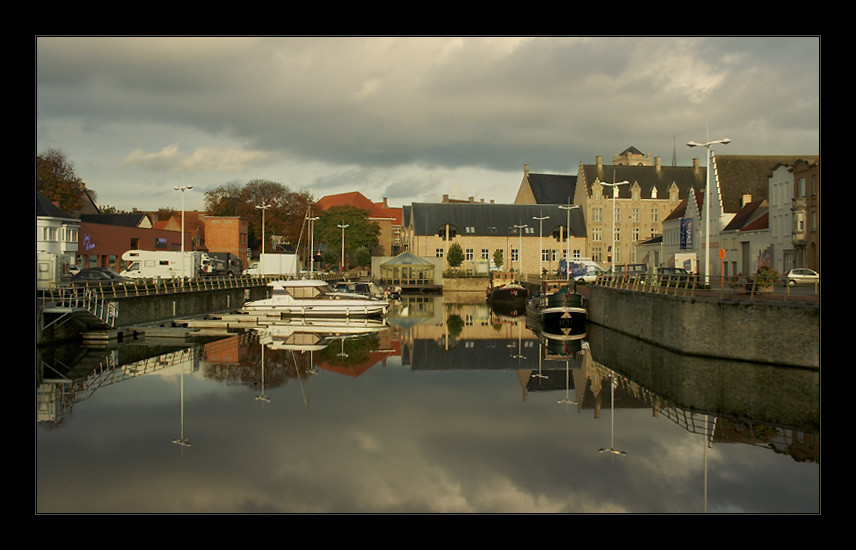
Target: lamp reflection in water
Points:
(265, 338)
(181, 440)
(612, 449)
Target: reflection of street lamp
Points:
(612, 383)
(263, 207)
(540, 242)
(343, 226)
(181, 441)
(568, 237)
(264, 339)
(567, 399)
(614, 198)
(183, 189)
(707, 145)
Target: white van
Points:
(152, 264)
(585, 270)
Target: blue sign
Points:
(686, 233)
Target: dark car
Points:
(674, 276)
(97, 275)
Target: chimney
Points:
(657, 164)
(695, 166)
(525, 170)
(746, 199)
(599, 162)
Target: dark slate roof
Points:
(47, 209)
(647, 177)
(747, 215)
(748, 174)
(428, 218)
(122, 220)
(552, 188)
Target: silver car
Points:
(802, 276)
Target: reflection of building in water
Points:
(802, 446)
(64, 382)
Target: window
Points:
(485, 254)
(514, 256)
(438, 252)
(469, 254)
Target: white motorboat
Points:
(314, 298)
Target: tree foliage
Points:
(498, 258)
(284, 215)
(455, 256)
(57, 181)
(360, 231)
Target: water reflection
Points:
(442, 407)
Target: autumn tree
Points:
(284, 213)
(57, 181)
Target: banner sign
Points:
(686, 233)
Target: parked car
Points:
(674, 276)
(97, 275)
(585, 271)
(802, 276)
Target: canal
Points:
(443, 408)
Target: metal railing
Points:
(692, 285)
(159, 286)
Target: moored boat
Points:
(314, 298)
(557, 309)
(504, 289)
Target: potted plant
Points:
(763, 280)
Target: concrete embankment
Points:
(130, 311)
(761, 331)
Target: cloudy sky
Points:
(407, 118)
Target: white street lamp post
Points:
(263, 207)
(183, 262)
(311, 244)
(541, 242)
(568, 237)
(520, 247)
(343, 226)
(614, 198)
(707, 145)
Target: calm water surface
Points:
(447, 408)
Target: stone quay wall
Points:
(761, 331)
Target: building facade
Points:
(621, 216)
(528, 237)
(806, 214)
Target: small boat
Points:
(504, 289)
(557, 309)
(314, 298)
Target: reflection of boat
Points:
(505, 290)
(557, 310)
(314, 298)
(317, 334)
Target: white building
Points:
(56, 242)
